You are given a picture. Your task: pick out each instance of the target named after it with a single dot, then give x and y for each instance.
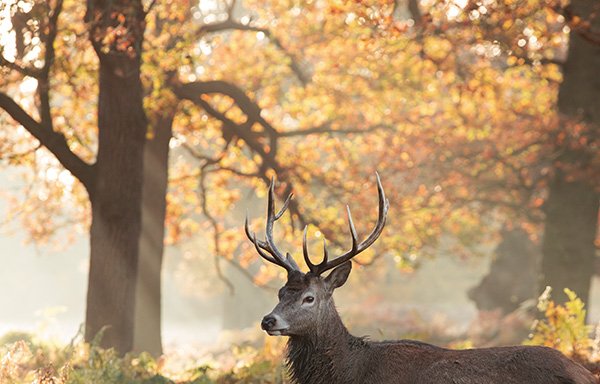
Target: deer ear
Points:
(338, 276)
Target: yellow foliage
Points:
(563, 326)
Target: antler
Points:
(357, 248)
(267, 249)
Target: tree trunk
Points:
(568, 247)
(147, 333)
(572, 205)
(508, 283)
(116, 201)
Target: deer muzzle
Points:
(274, 325)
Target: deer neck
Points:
(323, 356)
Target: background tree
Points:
(559, 175)
(114, 181)
(571, 208)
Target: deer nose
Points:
(268, 322)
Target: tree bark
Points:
(570, 229)
(572, 205)
(116, 202)
(147, 332)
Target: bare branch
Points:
(582, 29)
(31, 72)
(415, 11)
(231, 8)
(327, 129)
(199, 156)
(217, 240)
(150, 6)
(245, 103)
(216, 231)
(43, 88)
(194, 91)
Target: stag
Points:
(321, 350)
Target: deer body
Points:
(351, 360)
(322, 351)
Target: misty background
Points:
(44, 291)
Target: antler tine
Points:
(311, 266)
(358, 248)
(323, 263)
(251, 236)
(267, 249)
(291, 261)
(384, 205)
(314, 268)
(261, 252)
(352, 229)
(284, 207)
(271, 218)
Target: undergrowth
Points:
(25, 360)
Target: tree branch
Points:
(193, 91)
(215, 225)
(582, 29)
(150, 6)
(247, 105)
(55, 142)
(31, 72)
(327, 129)
(43, 88)
(415, 11)
(190, 91)
(231, 24)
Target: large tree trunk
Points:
(147, 333)
(116, 202)
(572, 205)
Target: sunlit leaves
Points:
(50, 205)
(563, 326)
(444, 111)
(116, 29)
(28, 26)
(455, 110)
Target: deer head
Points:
(305, 301)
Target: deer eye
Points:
(308, 299)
